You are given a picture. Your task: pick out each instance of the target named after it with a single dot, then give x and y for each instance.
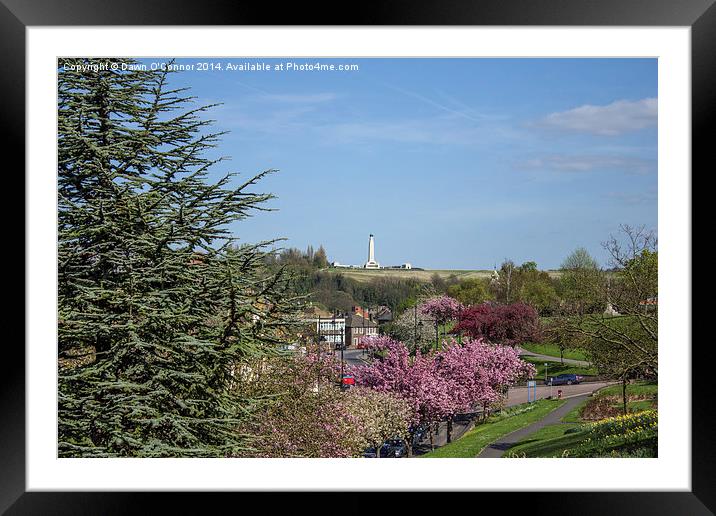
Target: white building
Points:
(331, 329)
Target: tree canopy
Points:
(156, 303)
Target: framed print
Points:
(268, 246)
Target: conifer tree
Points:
(157, 304)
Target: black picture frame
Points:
(17, 15)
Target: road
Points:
(497, 449)
(352, 357)
(517, 395)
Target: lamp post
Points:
(415, 325)
(318, 353)
(363, 317)
(546, 365)
(342, 346)
(420, 328)
(333, 333)
(437, 335)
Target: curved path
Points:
(497, 449)
(550, 358)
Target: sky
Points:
(450, 163)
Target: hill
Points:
(364, 275)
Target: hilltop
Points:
(425, 275)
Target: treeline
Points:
(511, 284)
(581, 286)
(335, 291)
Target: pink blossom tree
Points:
(380, 416)
(441, 309)
(411, 378)
(376, 342)
(454, 381)
(479, 374)
(300, 410)
(303, 412)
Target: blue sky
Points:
(450, 163)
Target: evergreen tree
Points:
(157, 306)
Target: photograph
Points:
(358, 257)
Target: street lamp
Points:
(342, 346)
(415, 327)
(363, 317)
(546, 365)
(437, 335)
(420, 329)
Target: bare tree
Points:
(503, 281)
(629, 341)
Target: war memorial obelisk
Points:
(371, 263)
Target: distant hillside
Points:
(364, 275)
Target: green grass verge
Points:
(575, 415)
(555, 368)
(472, 442)
(550, 441)
(553, 440)
(637, 389)
(552, 350)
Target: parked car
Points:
(419, 433)
(393, 448)
(564, 379)
(347, 381)
(369, 453)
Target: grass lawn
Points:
(575, 415)
(519, 416)
(636, 389)
(556, 368)
(553, 440)
(550, 441)
(552, 350)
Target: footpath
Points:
(497, 449)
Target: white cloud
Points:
(561, 163)
(612, 119)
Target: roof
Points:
(356, 321)
(385, 316)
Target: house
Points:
(321, 325)
(383, 315)
(650, 303)
(331, 330)
(358, 326)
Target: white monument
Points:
(371, 263)
(610, 311)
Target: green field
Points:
(514, 418)
(420, 275)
